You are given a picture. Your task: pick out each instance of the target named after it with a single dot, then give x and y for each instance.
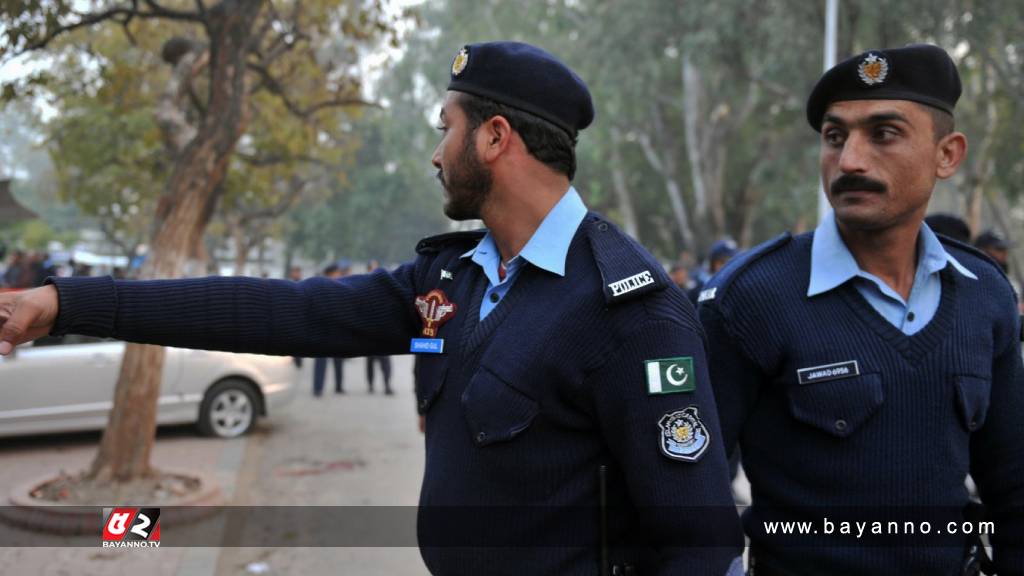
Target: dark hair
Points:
(943, 122)
(545, 141)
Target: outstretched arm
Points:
(354, 316)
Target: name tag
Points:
(828, 372)
(427, 346)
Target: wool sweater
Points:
(523, 408)
(839, 414)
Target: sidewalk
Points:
(352, 449)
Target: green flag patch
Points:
(670, 375)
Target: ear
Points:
(951, 151)
(494, 137)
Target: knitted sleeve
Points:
(737, 379)
(353, 316)
(997, 451)
(671, 485)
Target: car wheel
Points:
(228, 409)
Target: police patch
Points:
(683, 435)
(435, 309)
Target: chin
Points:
(867, 220)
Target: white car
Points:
(67, 384)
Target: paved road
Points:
(354, 449)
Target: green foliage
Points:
(107, 80)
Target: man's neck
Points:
(513, 213)
(889, 254)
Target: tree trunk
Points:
(666, 168)
(621, 190)
(181, 219)
(981, 168)
(692, 125)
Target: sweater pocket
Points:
(495, 410)
(972, 399)
(837, 407)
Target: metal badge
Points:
(460, 61)
(873, 69)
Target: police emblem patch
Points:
(683, 435)
(873, 69)
(460, 61)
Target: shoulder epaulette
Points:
(735, 267)
(434, 244)
(627, 270)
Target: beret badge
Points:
(460, 61)
(873, 69)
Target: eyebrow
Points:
(872, 119)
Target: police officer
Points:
(557, 373)
(866, 368)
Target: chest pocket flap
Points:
(495, 410)
(972, 398)
(838, 407)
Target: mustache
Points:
(848, 182)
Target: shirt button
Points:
(910, 317)
(603, 227)
(495, 297)
(840, 425)
(973, 425)
(481, 437)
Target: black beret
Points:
(524, 77)
(920, 73)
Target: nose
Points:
(853, 159)
(436, 158)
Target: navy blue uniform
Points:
(523, 408)
(840, 414)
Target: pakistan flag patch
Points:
(670, 375)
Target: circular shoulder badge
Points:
(873, 69)
(460, 61)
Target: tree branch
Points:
(270, 83)
(276, 159)
(122, 14)
(158, 11)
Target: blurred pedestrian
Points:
(723, 250)
(992, 243)
(333, 272)
(383, 361)
(950, 226)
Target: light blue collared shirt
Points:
(547, 249)
(832, 265)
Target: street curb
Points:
(29, 513)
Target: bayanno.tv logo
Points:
(131, 527)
